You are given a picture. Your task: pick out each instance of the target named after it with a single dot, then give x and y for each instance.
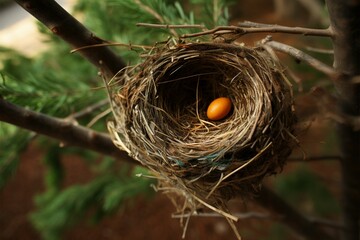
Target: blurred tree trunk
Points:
(345, 22)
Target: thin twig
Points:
(260, 216)
(300, 55)
(168, 26)
(108, 44)
(264, 28)
(89, 109)
(250, 24)
(246, 215)
(98, 117)
(320, 50)
(63, 130)
(155, 14)
(287, 29)
(219, 211)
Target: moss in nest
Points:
(160, 119)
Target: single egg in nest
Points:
(219, 108)
(161, 108)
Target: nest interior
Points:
(160, 118)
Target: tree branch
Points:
(241, 215)
(63, 130)
(168, 26)
(289, 216)
(345, 22)
(286, 29)
(300, 55)
(73, 32)
(250, 27)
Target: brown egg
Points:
(219, 108)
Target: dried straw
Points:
(160, 119)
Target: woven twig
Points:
(160, 119)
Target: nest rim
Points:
(142, 99)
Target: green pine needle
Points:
(12, 141)
(105, 194)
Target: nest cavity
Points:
(160, 118)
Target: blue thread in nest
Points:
(177, 162)
(215, 160)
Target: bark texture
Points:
(73, 32)
(345, 24)
(67, 132)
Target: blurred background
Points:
(54, 192)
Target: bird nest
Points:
(160, 120)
